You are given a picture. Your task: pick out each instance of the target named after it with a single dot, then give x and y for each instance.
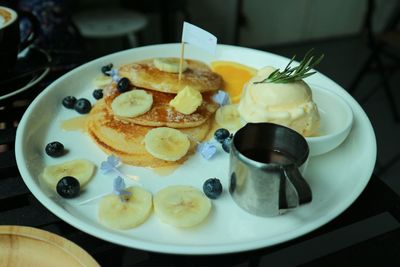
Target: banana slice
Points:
(166, 143)
(132, 212)
(181, 206)
(132, 103)
(228, 117)
(102, 81)
(169, 64)
(81, 169)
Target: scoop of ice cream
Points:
(288, 104)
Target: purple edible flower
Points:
(221, 98)
(207, 149)
(114, 75)
(119, 189)
(110, 164)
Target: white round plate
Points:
(336, 178)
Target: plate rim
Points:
(186, 249)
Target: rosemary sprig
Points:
(292, 74)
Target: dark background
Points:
(360, 42)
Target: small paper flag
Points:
(194, 35)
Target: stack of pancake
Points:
(123, 136)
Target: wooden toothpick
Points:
(181, 62)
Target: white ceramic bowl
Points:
(336, 121)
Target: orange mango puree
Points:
(234, 75)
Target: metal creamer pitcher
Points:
(266, 162)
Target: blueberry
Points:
(221, 134)
(54, 149)
(83, 106)
(226, 144)
(105, 69)
(68, 187)
(123, 85)
(69, 101)
(212, 188)
(98, 94)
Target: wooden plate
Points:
(27, 246)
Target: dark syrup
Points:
(269, 156)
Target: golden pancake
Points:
(198, 75)
(162, 114)
(126, 140)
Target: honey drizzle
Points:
(75, 124)
(166, 170)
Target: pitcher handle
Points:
(35, 28)
(294, 182)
